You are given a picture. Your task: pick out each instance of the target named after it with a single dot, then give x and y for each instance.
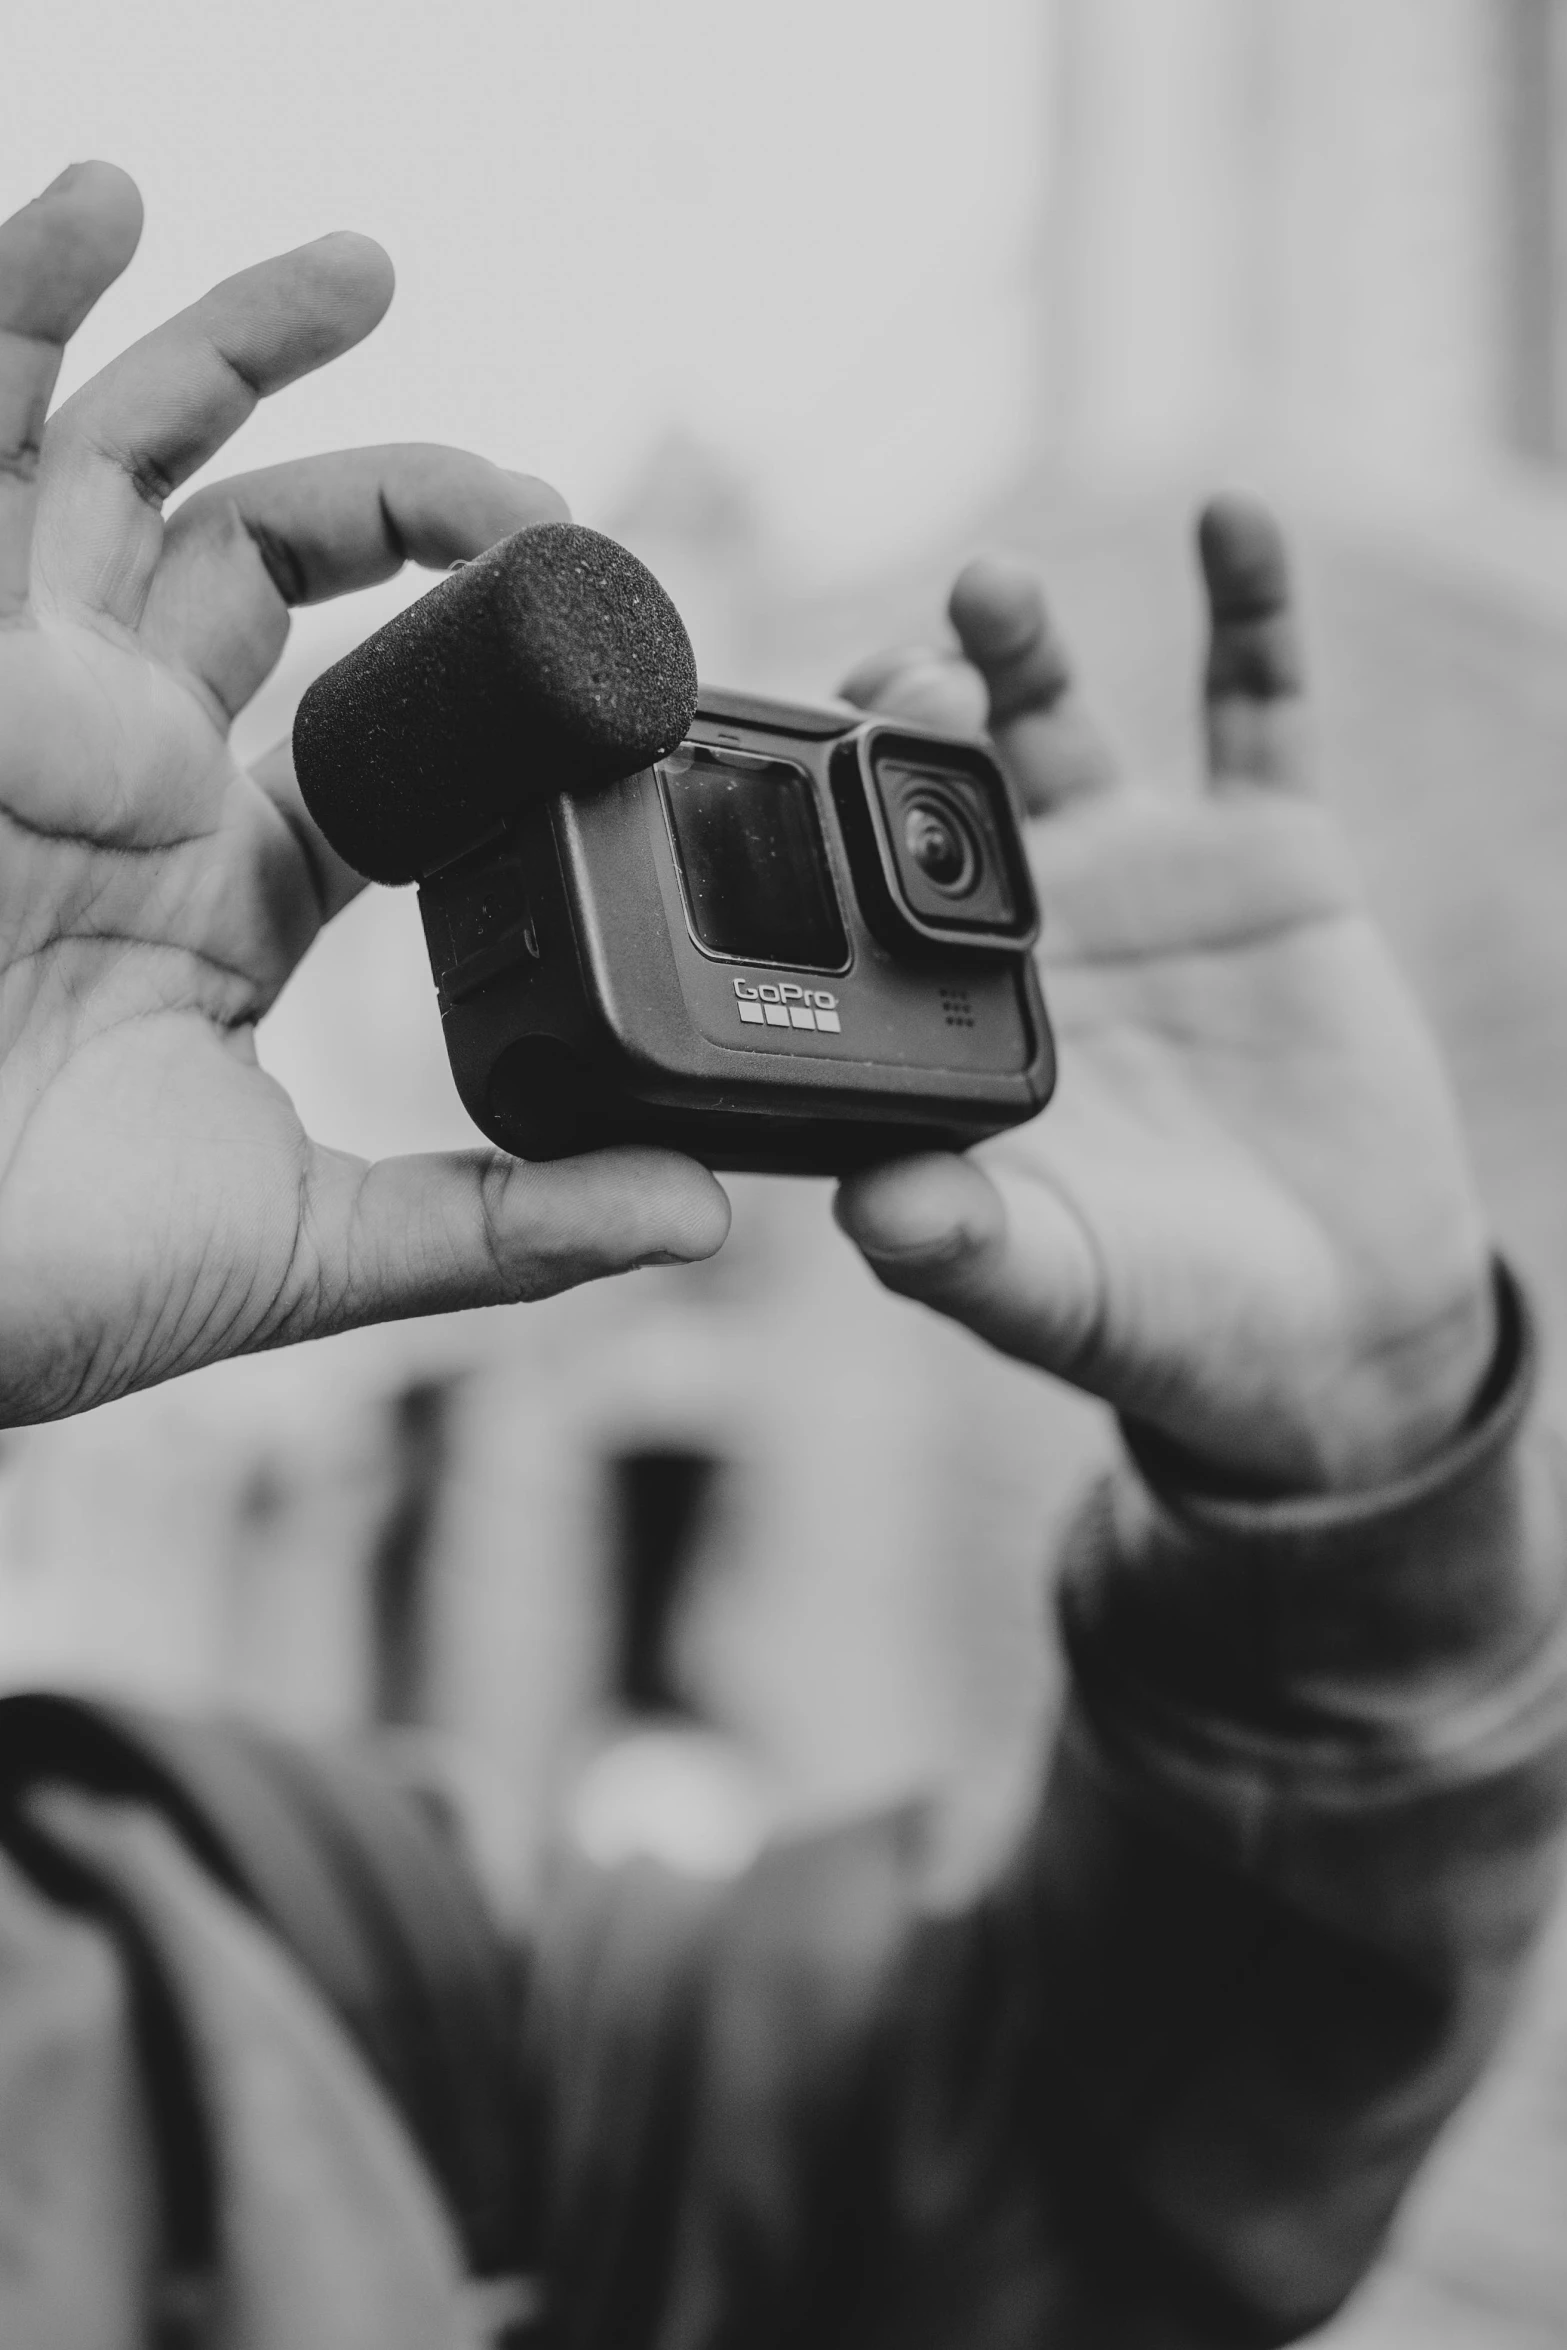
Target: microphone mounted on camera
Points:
(552, 663)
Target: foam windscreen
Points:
(552, 663)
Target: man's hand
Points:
(160, 1204)
(1246, 1219)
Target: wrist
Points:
(1415, 1399)
(1370, 1422)
(1280, 1611)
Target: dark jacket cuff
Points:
(1327, 1611)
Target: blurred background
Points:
(807, 304)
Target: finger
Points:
(867, 678)
(127, 440)
(1042, 732)
(1015, 1267)
(57, 255)
(333, 883)
(434, 1234)
(1255, 679)
(237, 555)
(938, 690)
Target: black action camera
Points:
(784, 939)
(800, 943)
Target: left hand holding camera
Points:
(160, 1204)
(1247, 1219)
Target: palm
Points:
(154, 889)
(1251, 1124)
(133, 836)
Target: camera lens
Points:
(948, 845)
(941, 845)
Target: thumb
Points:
(1007, 1258)
(433, 1234)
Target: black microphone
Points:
(552, 663)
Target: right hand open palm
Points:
(1247, 1219)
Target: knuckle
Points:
(19, 463)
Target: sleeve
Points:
(1167, 2082)
(1160, 2085)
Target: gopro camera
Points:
(801, 943)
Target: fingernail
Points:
(937, 1248)
(544, 493)
(71, 173)
(660, 1256)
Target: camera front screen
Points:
(753, 863)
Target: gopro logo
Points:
(783, 1003)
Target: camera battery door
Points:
(797, 945)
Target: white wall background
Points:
(802, 229)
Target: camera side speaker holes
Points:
(956, 1008)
